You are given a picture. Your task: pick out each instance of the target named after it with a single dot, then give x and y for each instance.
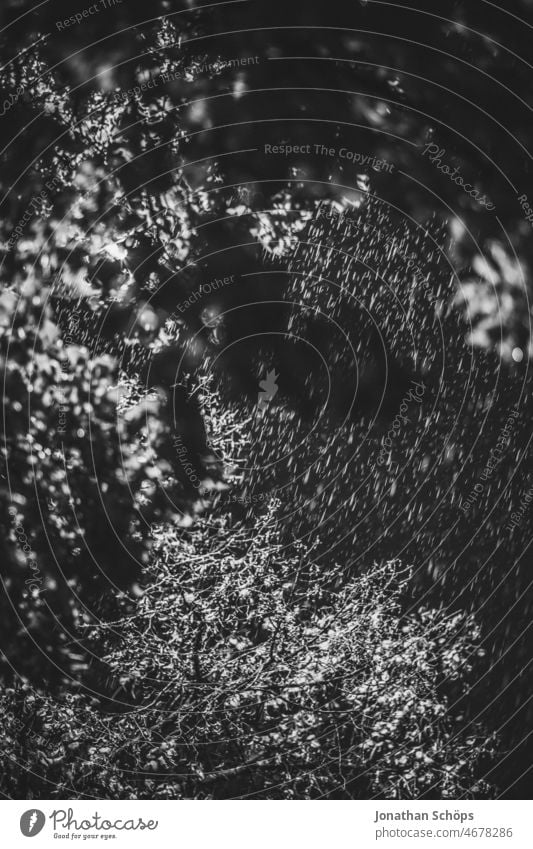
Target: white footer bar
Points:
(267, 825)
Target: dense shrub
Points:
(83, 463)
(249, 671)
(118, 207)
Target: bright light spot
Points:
(114, 250)
(517, 355)
(239, 87)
